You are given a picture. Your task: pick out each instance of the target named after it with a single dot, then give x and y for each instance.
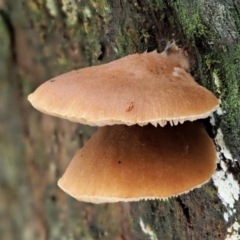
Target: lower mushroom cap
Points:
(121, 163)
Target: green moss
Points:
(101, 7)
(27, 86)
(36, 9)
(130, 36)
(169, 203)
(4, 53)
(223, 64)
(157, 4)
(230, 76)
(127, 41)
(189, 17)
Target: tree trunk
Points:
(42, 39)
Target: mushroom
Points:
(130, 163)
(136, 89)
(122, 163)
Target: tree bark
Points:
(42, 39)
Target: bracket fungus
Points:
(122, 163)
(125, 162)
(136, 89)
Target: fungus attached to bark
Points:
(136, 89)
(121, 163)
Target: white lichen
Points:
(87, 12)
(220, 111)
(227, 186)
(233, 232)
(216, 81)
(228, 189)
(220, 142)
(147, 230)
(52, 8)
(70, 9)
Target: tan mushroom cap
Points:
(121, 163)
(136, 89)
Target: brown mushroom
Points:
(121, 163)
(140, 88)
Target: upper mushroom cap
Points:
(121, 163)
(136, 89)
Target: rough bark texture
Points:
(44, 38)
